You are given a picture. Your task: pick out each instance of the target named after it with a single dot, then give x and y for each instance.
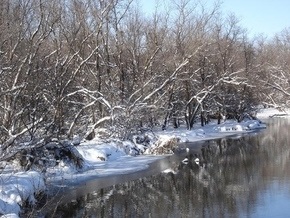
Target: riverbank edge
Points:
(38, 180)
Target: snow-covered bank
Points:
(109, 157)
(210, 131)
(272, 112)
(18, 188)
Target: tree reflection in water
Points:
(235, 172)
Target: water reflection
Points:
(245, 176)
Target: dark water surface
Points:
(243, 176)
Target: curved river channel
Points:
(242, 176)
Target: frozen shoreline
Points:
(108, 158)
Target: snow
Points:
(272, 112)
(210, 131)
(12, 215)
(92, 151)
(63, 176)
(16, 188)
(104, 158)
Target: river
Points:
(241, 176)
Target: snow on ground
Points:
(17, 188)
(103, 158)
(211, 130)
(272, 112)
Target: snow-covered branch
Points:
(13, 137)
(279, 88)
(168, 80)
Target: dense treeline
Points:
(72, 67)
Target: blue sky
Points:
(258, 16)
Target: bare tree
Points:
(21, 48)
(277, 68)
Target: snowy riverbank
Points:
(103, 158)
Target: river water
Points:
(241, 176)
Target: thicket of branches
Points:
(70, 67)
